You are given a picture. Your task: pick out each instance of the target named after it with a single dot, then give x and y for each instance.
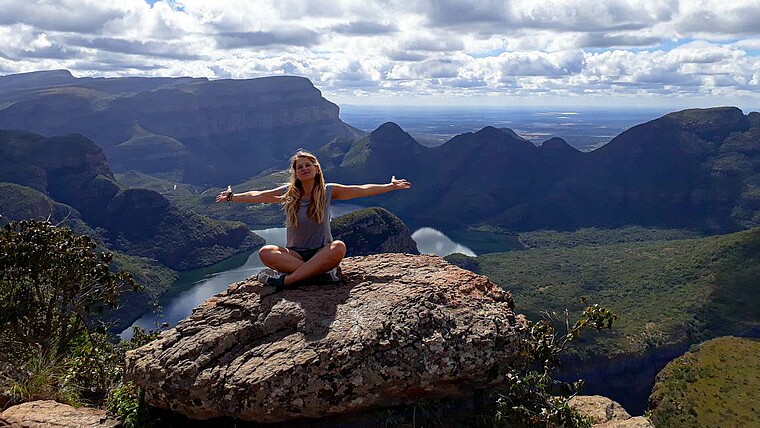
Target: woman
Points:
(306, 200)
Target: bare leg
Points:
(280, 258)
(326, 258)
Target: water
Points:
(194, 287)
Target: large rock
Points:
(399, 328)
(600, 409)
(606, 413)
(51, 414)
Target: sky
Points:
(626, 53)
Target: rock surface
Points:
(600, 409)
(606, 413)
(48, 413)
(637, 422)
(398, 328)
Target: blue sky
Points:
(687, 53)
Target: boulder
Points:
(49, 413)
(398, 328)
(606, 413)
(636, 422)
(600, 409)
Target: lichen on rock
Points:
(399, 327)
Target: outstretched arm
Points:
(342, 192)
(270, 196)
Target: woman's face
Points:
(305, 169)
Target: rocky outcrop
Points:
(72, 170)
(606, 413)
(399, 327)
(69, 168)
(371, 231)
(51, 414)
(217, 131)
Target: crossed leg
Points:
(291, 263)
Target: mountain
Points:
(24, 203)
(372, 231)
(69, 177)
(694, 169)
(195, 130)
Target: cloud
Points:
(495, 16)
(64, 15)
(719, 17)
(446, 49)
(364, 28)
(511, 64)
(607, 40)
(430, 44)
(147, 48)
(290, 37)
(429, 69)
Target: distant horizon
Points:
(469, 103)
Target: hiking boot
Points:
(271, 277)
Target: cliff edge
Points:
(399, 326)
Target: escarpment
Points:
(398, 326)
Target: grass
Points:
(44, 379)
(717, 384)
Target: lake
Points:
(194, 287)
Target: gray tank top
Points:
(308, 234)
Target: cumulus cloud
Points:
(719, 17)
(445, 49)
(148, 48)
(64, 15)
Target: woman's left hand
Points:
(397, 184)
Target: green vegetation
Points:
(202, 200)
(53, 287)
(24, 203)
(596, 236)
(717, 384)
(667, 292)
(51, 282)
(528, 397)
(373, 230)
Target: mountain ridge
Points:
(229, 129)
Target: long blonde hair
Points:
(292, 198)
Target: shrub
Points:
(51, 283)
(530, 397)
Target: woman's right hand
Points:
(224, 195)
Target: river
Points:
(194, 287)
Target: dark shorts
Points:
(305, 253)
